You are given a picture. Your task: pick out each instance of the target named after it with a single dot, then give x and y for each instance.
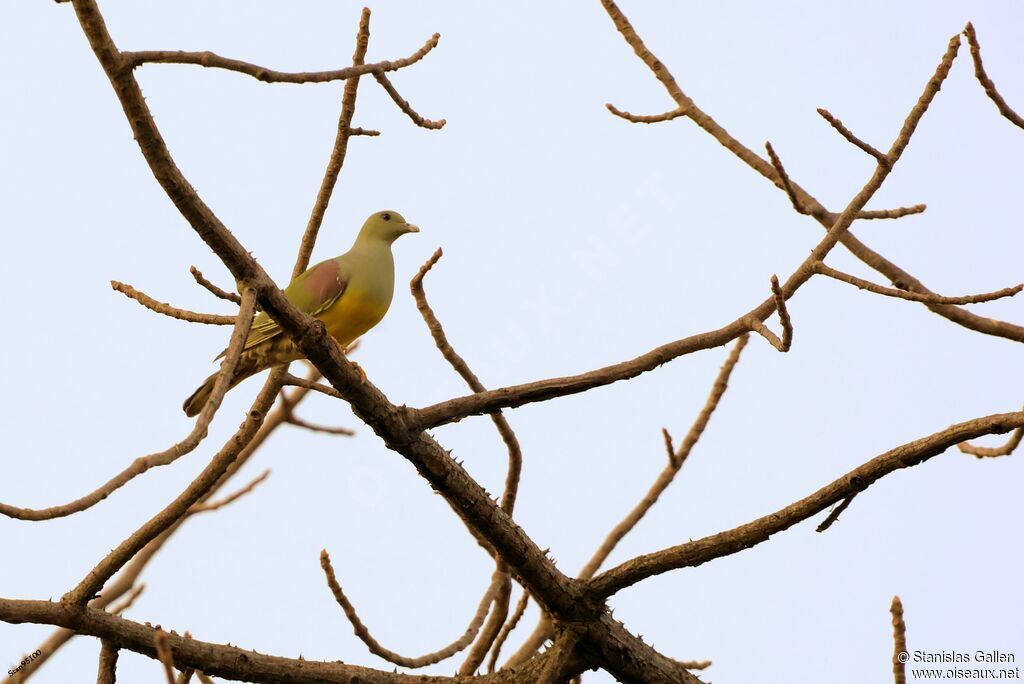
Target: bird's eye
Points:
(386, 216)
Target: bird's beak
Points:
(411, 228)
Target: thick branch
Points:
(229, 662)
(743, 537)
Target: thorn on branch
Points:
(363, 131)
(867, 285)
(986, 82)
(168, 310)
(880, 157)
(404, 105)
(647, 119)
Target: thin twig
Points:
(914, 296)
(290, 379)
(1005, 449)
(784, 319)
(899, 642)
(404, 105)
(783, 180)
(230, 498)
(168, 310)
(377, 649)
(851, 138)
(337, 158)
(898, 212)
(701, 551)
(676, 461)
(163, 652)
(506, 630)
(825, 218)
(986, 82)
(834, 514)
(325, 429)
(213, 289)
(174, 452)
(107, 670)
(647, 118)
(201, 486)
(213, 60)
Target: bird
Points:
(350, 294)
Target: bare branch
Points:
(163, 520)
(784, 182)
(894, 273)
(851, 138)
(107, 673)
(169, 455)
(676, 460)
(229, 662)
(290, 379)
(750, 534)
(231, 498)
(404, 105)
(914, 296)
(508, 436)
(898, 212)
(506, 630)
(325, 429)
(209, 59)
(986, 82)
(647, 119)
(899, 641)
(377, 649)
(163, 652)
(994, 452)
(213, 289)
(168, 310)
(833, 516)
(337, 158)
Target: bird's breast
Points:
(357, 310)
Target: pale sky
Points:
(572, 240)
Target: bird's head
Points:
(386, 226)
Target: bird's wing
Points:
(314, 291)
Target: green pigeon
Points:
(350, 294)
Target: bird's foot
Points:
(362, 373)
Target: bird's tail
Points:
(197, 400)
